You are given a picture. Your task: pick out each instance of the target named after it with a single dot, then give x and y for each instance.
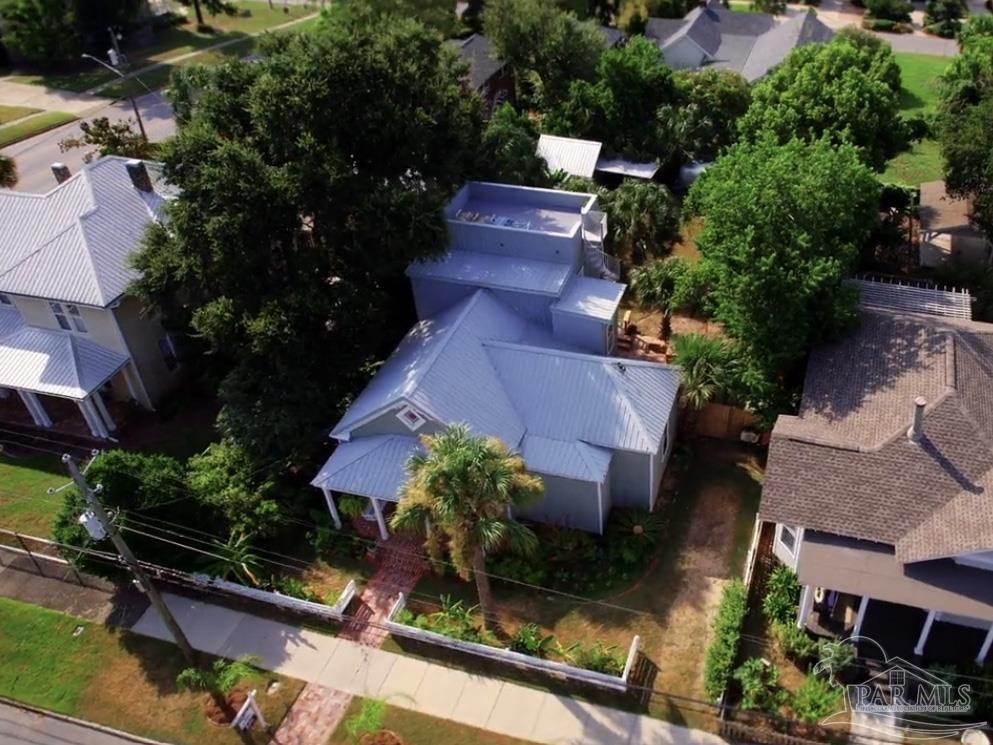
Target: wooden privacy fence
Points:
(723, 422)
(506, 656)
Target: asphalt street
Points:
(19, 726)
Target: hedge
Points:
(727, 633)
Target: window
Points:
(68, 317)
(411, 418)
(4, 300)
(168, 351)
(787, 538)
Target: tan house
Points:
(945, 231)
(68, 328)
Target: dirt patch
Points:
(222, 710)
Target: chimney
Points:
(139, 175)
(61, 172)
(916, 430)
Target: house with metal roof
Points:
(517, 322)
(750, 44)
(68, 328)
(878, 489)
(585, 158)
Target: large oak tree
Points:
(308, 180)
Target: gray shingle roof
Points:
(844, 464)
(748, 43)
(476, 52)
(73, 243)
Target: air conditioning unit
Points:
(750, 436)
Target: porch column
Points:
(92, 419)
(35, 409)
(925, 632)
(861, 615)
(380, 520)
(806, 604)
(332, 507)
(985, 649)
(101, 408)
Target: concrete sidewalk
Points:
(430, 688)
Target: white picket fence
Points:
(617, 683)
(334, 612)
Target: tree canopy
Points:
(974, 28)
(620, 107)
(309, 180)
(968, 79)
(710, 103)
(783, 225)
(841, 90)
(509, 150)
(52, 31)
(435, 14)
(548, 47)
(643, 219)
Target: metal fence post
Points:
(27, 550)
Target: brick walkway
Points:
(319, 709)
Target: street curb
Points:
(80, 722)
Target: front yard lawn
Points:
(919, 96)
(112, 677)
(10, 113)
(25, 505)
(22, 129)
(421, 729)
(669, 603)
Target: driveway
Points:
(50, 99)
(34, 157)
(19, 725)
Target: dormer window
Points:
(4, 300)
(411, 418)
(68, 317)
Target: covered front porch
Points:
(58, 381)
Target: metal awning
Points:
(55, 363)
(374, 466)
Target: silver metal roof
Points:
(575, 157)
(55, 363)
(573, 460)
(590, 297)
(73, 243)
(496, 272)
(369, 467)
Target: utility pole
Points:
(122, 76)
(144, 581)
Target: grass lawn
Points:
(174, 42)
(24, 504)
(115, 678)
(10, 113)
(671, 604)
(25, 128)
(421, 729)
(919, 95)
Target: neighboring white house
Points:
(879, 488)
(516, 323)
(68, 328)
(585, 158)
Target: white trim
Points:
(102, 410)
(806, 605)
(651, 482)
(411, 417)
(860, 616)
(35, 408)
(599, 501)
(925, 632)
(984, 650)
(380, 521)
(96, 426)
(332, 507)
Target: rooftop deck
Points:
(520, 208)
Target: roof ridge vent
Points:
(916, 431)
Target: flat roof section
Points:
(527, 208)
(590, 297)
(495, 272)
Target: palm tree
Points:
(706, 364)
(236, 557)
(462, 489)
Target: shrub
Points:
(782, 593)
(351, 506)
(531, 641)
(222, 676)
(794, 642)
(759, 683)
(815, 699)
(633, 535)
(835, 657)
(891, 10)
(8, 172)
(513, 566)
(368, 720)
(974, 28)
(727, 633)
(599, 658)
(292, 587)
(944, 17)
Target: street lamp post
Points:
(122, 76)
